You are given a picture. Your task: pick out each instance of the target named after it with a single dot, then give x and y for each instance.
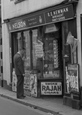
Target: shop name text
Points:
(20, 24)
(57, 12)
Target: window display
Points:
(51, 55)
(46, 49)
(37, 52)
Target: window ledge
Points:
(19, 1)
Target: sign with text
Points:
(72, 78)
(51, 88)
(54, 14)
(31, 21)
(59, 14)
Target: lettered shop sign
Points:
(51, 88)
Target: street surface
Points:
(9, 107)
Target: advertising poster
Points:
(72, 78)
(39, 49)
(27, 83)
(14, 81)
(51, 88)
(33, 85)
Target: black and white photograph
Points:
(40, 57)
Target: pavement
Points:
(52, 106)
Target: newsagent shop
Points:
(51, 63)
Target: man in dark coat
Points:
(19, 70)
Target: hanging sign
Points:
(51, 88)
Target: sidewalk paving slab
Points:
(54, 106)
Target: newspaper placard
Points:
(51, 88)
(27, 83)
(14, 81)
(72, 78)
(33, 85)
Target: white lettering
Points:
(53, 88)
(19, 25)
(57, 12)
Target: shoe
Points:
(20, 97)
(23, 96)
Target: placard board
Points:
(51, 88)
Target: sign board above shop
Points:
(50, 15)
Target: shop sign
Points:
(51, 88)
(59, 14)
(72, 78)
(27, 22)
(43, 17)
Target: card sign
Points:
(51, 88)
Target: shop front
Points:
(50, 39)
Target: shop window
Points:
(21, 40)
(26, 44)
(37, 51)
(37, 48)
(52, 52)
(47, 51)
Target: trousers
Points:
(20, 84)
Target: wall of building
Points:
(13, 10)
(6, 55)
(79, 11)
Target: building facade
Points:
(50, 31)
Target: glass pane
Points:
(26, 43)
(34, 42)
(37, 51)
(23, 41)
(51, 55)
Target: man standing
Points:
(19, 70)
